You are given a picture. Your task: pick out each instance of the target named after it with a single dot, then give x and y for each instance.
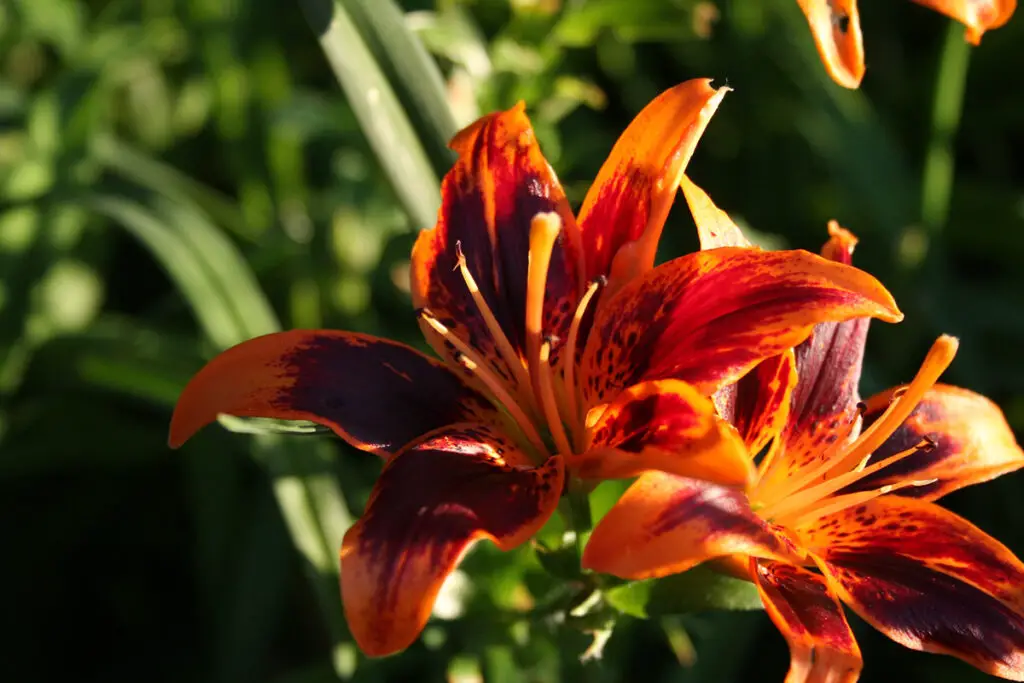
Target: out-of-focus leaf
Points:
(696, 590)
(416, 73)
(372, 98)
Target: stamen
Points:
(840, 503)
(902, 405)
(807, 497)
(547, 397)
(569, 360)
(544, 229)
(904, 402)
(472, 362)
(505, 349)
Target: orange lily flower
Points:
(841, 509)
(564, 354)
(835, 25)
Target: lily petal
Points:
(928, 579)
(972, 443)
(431, 503)
(665, 524)
(758, 404)
(376, 394)
(835, 25)
(709, 317)
(807, 612)
(488, 200)
(624, 212)
(828, 364)
(714, 227)
(668, 426)
(977, 15)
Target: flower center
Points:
(809, 495)
(542, 401)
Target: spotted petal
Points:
(758, 405)
(498, 184)
(668, 426)
(709, 317)
(806, 611)
(977, 15)
(665, 524)
(972, 443)
(835, 25)
(624, 212)
(431, 503)
(376, 394)
(927, 579)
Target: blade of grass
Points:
(375, 104)
(220, 288)
(416, 72)
(136, 166)
(947, 106)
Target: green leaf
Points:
(416, 74)
(378, 109)
(696, 590)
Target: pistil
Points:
(544, 229)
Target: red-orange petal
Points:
(714, 227)
(625, 209)
(926, 578)
(828, 365)
(709, 317)
(489, 197)
(665, 524)
(835, 25)
(977, 15)
(374, 393)
(666, 426)
(431, 503)
(972, 443)
(807, 612)
(758, 405)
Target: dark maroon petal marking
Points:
(489, 198)
(429, 505)
(927, 610)
(808, 614)
(376, 394)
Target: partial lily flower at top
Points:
(841, 509)
(835, 25)
(565, 355)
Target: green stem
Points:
(947, 106)
(579, 511)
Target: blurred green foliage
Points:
(179, 175)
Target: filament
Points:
(505, 349)
(472, 362)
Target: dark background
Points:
(176, 176)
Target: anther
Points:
(928, 444)
(862, 407)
